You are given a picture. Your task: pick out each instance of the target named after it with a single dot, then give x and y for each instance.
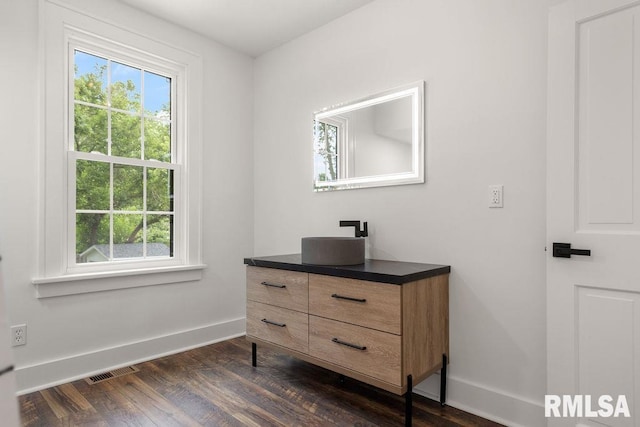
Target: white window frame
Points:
(344, 153)
(65, 30)
(87, 43)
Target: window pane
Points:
(325, 167)
(159, 239)
(127, 188)
(127, 235)
(157, 140)
(332, 137)
(92, 185)
(90, 81)
(92, 238)
(326, 149)
(125, 135)
(90, 130)
(125, 87)
(159, 190)
(157, 94)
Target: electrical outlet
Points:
(495, 196)
(18, 335)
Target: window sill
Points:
(72, 284)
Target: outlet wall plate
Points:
(18, 335)
(495, 196)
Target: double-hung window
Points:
(121, 158)
(331, 150)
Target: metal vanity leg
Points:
(253, 354)
(443, 380)
(408, 402)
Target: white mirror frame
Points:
(416, 175)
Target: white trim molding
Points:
(96, 282)
(62, 28)
(74, 367)
(496, 405)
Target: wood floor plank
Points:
(281, 409)
(150, 403)
(53, 400)
(216, 385)
(117, 409)
(74, 399)
(35, 411)
(293, 389)
(70, 406)
(185, 390)
(198, 389)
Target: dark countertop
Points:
(374, 270)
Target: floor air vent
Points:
(111, 374)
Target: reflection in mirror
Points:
(372, 142)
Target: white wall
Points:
(485, 67)
(71, 336)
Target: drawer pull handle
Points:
(348, 298)
(273, 285)
(269, 322)
(348, 344)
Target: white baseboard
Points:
(492, 404)
(60, 371)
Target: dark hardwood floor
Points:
(217, 386)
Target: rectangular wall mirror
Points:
(372, 142)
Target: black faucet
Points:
(356, 224)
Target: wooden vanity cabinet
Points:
(384, 334)
(385, 323)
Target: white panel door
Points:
(593, 202)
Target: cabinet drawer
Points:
(287, 328)
(370, 304)
(330, 340)
(288, 289)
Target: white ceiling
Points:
(249, 26)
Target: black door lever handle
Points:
(563, 250)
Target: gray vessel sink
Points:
(333, 250)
